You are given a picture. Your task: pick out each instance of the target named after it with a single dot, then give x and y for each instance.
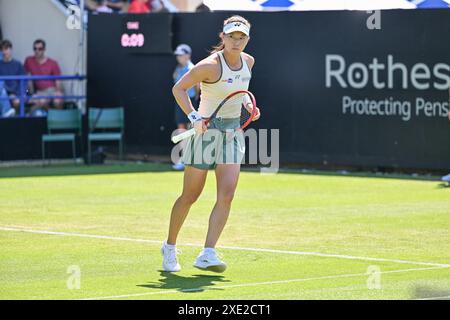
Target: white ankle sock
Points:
(170, 246)
(208, 250)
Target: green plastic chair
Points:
(62, 120)
(112, 118)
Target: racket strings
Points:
(232, 103)
(247, 110)
(243, 106)
(237, 105)
(245, 114)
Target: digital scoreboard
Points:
(149, 35)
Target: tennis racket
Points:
(248, 110)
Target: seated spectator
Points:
(91, 5)
(11, 67)
(40, 65)
(118, 5)
(139, 6)
(103, 7)
(98, 6)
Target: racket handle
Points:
(184, 135)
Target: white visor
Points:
(236, 26)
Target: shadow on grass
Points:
(195, 283)
(444, 185)
(81, 169)
(429, 293)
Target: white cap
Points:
(182, 49)
(236, 26)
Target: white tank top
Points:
(213, 93)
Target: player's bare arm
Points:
(251, 62)
(205, 70)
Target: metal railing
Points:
(23, 83)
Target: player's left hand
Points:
(257, 114)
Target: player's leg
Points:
(227, 176)
(194, 181)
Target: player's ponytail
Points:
(221, 45)
(218, 48)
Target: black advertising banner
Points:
(344, 87)
(373, 96)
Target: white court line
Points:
(257, 284)
(315, 254)
(340, 256)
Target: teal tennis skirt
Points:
(223, 143)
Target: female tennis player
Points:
(226, 70)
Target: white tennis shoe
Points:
(210, 261)
(179, 166)
(170, 261)
(446, 178)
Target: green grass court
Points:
(290, 235)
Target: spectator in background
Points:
(10, 67)
(202, 8)
(40, 65)
(91, 5)
(107, 6)
(163, 6)
(102, 7)
(183, 55)
(139, 6)
(158, 6)
(118, 5)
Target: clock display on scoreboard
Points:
(132, 39)
(147, 33)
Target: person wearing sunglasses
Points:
(40, 65)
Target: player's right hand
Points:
(200, 126)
